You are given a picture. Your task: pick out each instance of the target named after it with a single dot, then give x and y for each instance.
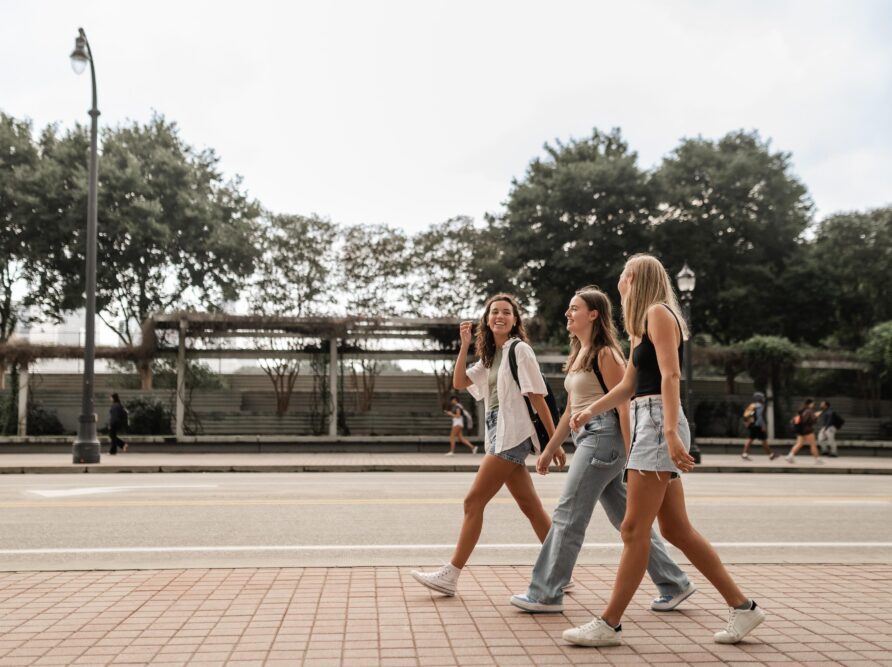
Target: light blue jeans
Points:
(596, 473)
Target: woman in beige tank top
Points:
(596, 470)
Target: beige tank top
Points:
(583, 389)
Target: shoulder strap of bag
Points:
(512, 363)
(597, 371)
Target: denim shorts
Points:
(516, 454)
(649, 451)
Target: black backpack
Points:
(836, 420)
(550, 400)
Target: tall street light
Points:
(86, 446)
(687, 280)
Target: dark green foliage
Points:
(43, 422)
(573, 220)
(733, 210)
(148, 417)
(718, 419)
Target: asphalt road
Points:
(67, 522)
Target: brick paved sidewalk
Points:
(818, 614)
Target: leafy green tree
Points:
(294, 278)
(735, 212)
(853, 253)
(573, 219)
(442, 270)
(172, 232)
(18, 156)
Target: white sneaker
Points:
(790, 459)
(443, 580)
(670, 602)
(474, 449)
(527, 603)
(745, 456)
(594, 633)
(740, 624)
(819, 461)
(449, 454)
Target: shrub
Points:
(43, 422)
(148, 417)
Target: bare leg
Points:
(452, 435)
(746, 445)
(645, 495)
(491, 476)
(767, 448)
(520, 484)
(797, 446)
(812, 444)
(465, 441)
(678, 531)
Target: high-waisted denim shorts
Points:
(516, 454)
(650, 452)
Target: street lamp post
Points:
(686, 280)
(86, 446)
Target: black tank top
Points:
(649, 380)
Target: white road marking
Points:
(410, 547)
(93, 490)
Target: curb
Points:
(381, 467)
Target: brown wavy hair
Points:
(603, 330)
(485, 342)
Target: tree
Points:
(172, 232)
(442, 267)
(735, 212)
(853, 253)
(375, 264)
(18, 157)
(294, 278)
(573, 220)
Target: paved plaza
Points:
(818, 614)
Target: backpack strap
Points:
(596, 369)
(512, 364)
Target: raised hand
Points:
(464, 330)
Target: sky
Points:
(409, 113)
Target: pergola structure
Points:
(222, 336)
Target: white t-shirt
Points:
(514, 424)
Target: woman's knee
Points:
(634, 530)
(675, 533)
(475, 503)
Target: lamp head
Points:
(79, 57)
(686, 280)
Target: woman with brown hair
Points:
(661, 441)
(596, 364)
(510, 433)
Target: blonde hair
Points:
(603, 330)
(650, 286)
(485, 342)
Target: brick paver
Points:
(818, 614)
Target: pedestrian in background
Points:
(457, 412)
(117, 423)
(804, 428)
(757, 427)
(828, 423)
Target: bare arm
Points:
(664, 334)
(460, 379)
(614, 371)
(541, 408)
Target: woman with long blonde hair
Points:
(509, 429)
(659, 453)
(595, 365)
